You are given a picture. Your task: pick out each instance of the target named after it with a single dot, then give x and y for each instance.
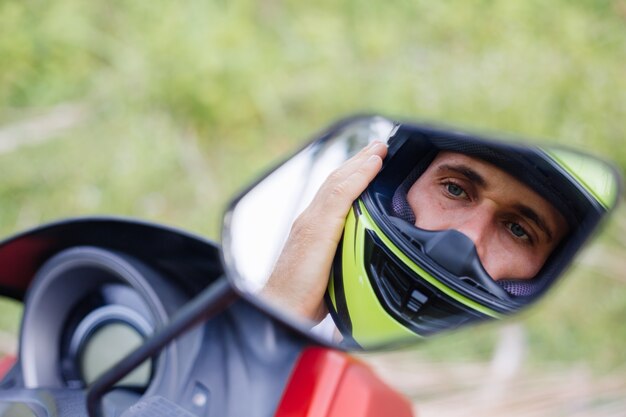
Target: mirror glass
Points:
(454, 229)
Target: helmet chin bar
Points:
(453, 251)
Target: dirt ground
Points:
(477, 389)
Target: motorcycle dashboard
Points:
(18, 409)
(94, 290)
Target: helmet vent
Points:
(414, 303)
(408, 296)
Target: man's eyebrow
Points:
(534, 217)
(478, 179)
(466, 171)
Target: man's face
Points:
(513, 228)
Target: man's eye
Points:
(455, 190)
(518, 230)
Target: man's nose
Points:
(478, 226)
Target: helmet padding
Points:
(400, 208)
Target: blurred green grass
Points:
(186, 102)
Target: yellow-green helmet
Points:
(393, 281)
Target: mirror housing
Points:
(393, 281)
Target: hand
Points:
(300, 276)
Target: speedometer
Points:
(107, 346)
(87, 309)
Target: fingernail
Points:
(374, 159)
(377, 145)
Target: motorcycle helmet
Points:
(393, 281)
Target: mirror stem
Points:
(205, 305)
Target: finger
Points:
(343, 194)
(333, 200)
(352, 164)
(356, 160)
(336, 198)
(358, 181)
(332, 210)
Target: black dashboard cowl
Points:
(191, 260)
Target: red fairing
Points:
(6, 363)
(328, 383)
(19, 260)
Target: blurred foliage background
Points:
(164, 110)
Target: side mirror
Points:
(455, 229)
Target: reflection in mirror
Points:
(450, 229)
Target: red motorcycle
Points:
(128, 318)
